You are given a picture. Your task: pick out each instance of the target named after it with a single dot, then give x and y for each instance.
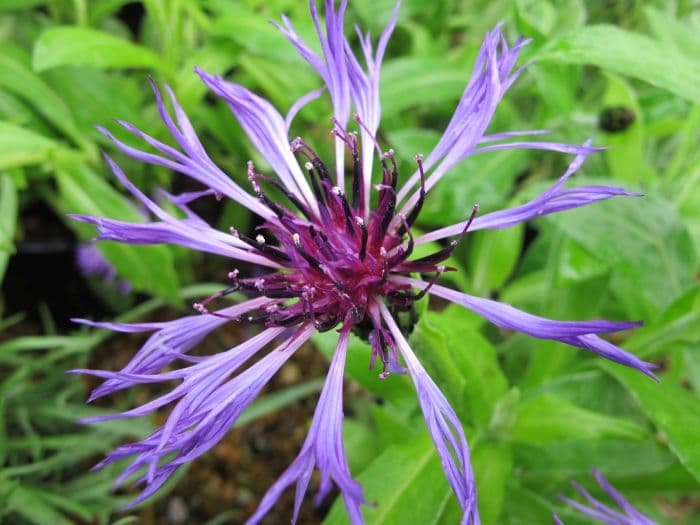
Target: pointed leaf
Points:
(80, 46)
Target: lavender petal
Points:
(555, 199)
(322, 448)
(575, 333)
(443, 425)
(266, 129)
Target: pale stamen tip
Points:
(260, 239)
(199, 307)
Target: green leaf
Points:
(80, 46)
(147, 268)
(361, 445)
(536, 15)
(20, 5)
(679, 323)
(29, 503)
(464, 185)
(672, 33)
(526, 507)
(98, 97)
(20, 147)
(419, 491)
(492, 257)
(572, 457)
(18, 79)
(463, 363)
(410, 82)
(642, 240)
(8, 220)
(630, 54)
(548, 418)
(395, 389)
(672, 409)
(493, 464)
(282, 83)
(257, 35)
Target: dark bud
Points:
(616, 119)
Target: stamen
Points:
(394, 168)
(350, 139)
(415, 211)
(404, 299)
(346, 210)
(424, 263)
(363, 241)
(254, 177)
(202, 307)
(385, 264)
(271, 252)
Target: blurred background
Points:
(538, 414)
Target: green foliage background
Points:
(538, 414)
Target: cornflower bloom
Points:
(334, 262)
(602, 513)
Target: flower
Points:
(92, 263)
(601, 513)
(333, 261)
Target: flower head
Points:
(333, 261)
(602, 513)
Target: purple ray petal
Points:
(267, 131)
(205, 412)
(322, 448)
(511, 134)
(602, 513)
(194, 162)
(443, 425)
(542, 146)
(178, 232)
(490, 79)
(211, 371)
(364, 90)
(192, 232)
(574, 333)
(171, 340)
(299, 104)
(555, 199)
(332, 68)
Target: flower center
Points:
(333, 264)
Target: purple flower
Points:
(92, 263)
(331, 261)
(602, 513)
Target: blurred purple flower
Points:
(332, 260)
(602, 513)
(92, 263)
